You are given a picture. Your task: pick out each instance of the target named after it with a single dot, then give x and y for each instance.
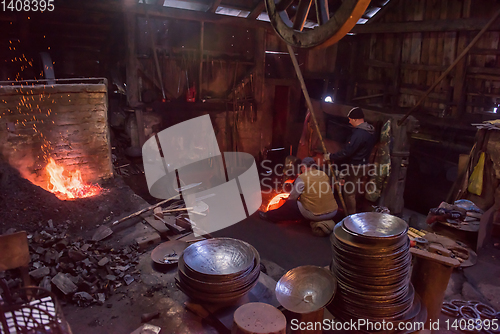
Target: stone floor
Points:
(282, 247)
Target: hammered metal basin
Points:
(375, 224)
(221, 289)
(306, 289)
(219, 256)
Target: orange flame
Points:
(276, 201)
(71, 187)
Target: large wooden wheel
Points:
(288, 21)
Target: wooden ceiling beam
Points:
(425, 26)
(214, 6)
(191, 15)
(257, 10)
(382, 11)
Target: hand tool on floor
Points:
(104, 231)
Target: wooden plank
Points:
(483, 70)
(447, 261)
(131, 75)
(257, 10)
(379, 63)
(484, 77)
(213, 6)
(371, 70)
(450, 38)
(192, 15)
(435, 9)
(459, 97)
(397, 72)
(417, 92)
(471, 24)
(479, 51)
(461, 56)
(389, 41)
(416, 43)
(424, 59)
(440, 45)
(492, 43)
(405, 75)
(388, 8)
(431, 13)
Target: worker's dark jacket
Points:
(358, 149)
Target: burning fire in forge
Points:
(68, 185)
(277, 201)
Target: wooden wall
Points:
(225, 64)
(402, 52)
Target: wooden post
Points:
(397, 71)
(132, 84)
(459, 96)
(430, 276)
(313, 116)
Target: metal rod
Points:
(309, 105)
(151, 207)
(445, 73)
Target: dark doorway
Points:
(280, 117)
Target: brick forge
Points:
(66, 121)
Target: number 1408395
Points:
(27, 5)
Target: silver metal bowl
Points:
(219, 256)
(375, 224)
(306, 289)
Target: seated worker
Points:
(355, 155)
(311, 199)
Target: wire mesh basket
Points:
(31, 310)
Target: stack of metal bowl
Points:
(219, 270)
(371, 261)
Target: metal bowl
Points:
(168, 252)
(219, 256)
(306, 289)
(224, 289)
(375, 224)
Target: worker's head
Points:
(307, 163)
(356, 116)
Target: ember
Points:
(277, 201)
(68, 187)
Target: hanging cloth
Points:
(476, 179)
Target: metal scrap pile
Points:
(462, 214)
